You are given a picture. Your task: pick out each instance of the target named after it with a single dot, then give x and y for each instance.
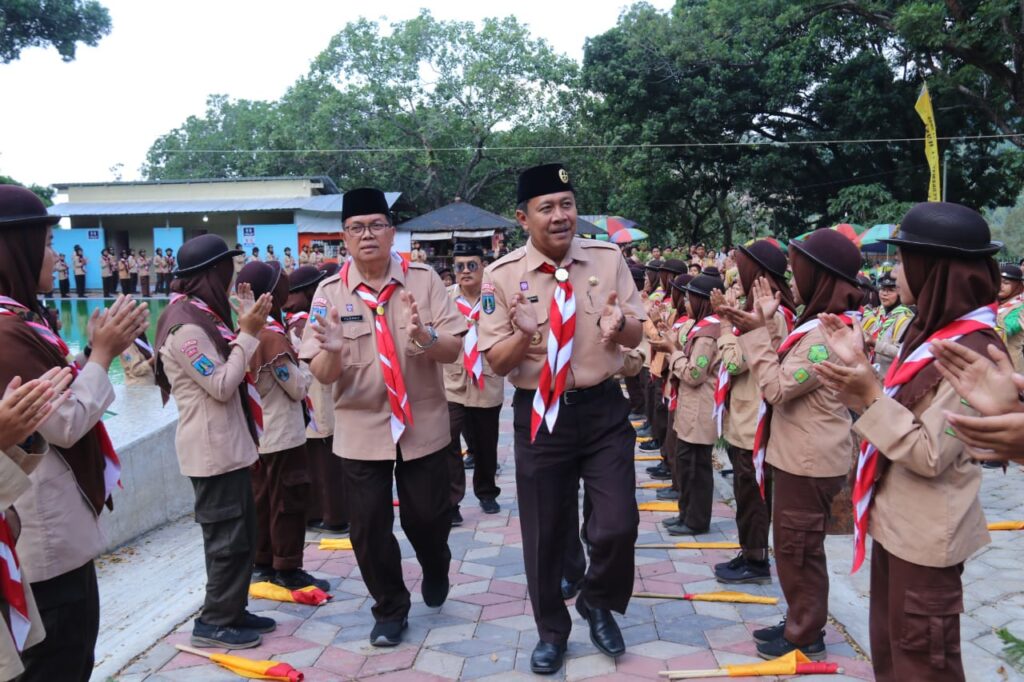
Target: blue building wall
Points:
(279, 236)
(167, 238)
(92, 242)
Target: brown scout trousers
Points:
(802, 508)
(668, 449)
(423, 511)
(696, 484)
(753, 514)
(593, 440)
(480, 425)
(280, 484)
(915, 620)
(327, 472)
(636, 390)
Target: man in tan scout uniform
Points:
(552, 323)
(382, 329)
(473, 391)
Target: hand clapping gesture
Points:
(417, 330)
(612, 318)
(854, 381)
(766, 304)
(522, 314)
(252, 313)
(27, 405)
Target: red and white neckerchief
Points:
(252, 395)
(900, 372)
(764, 410)
(472, 360)
(401, 411)
(670, 391)
(276, 326)
(12, 589)
(111, 462)
(553, 375)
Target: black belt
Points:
(577, 396)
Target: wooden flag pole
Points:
(193, 650)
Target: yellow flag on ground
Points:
(725, 596)
(247, 667)
(335, 543)
(1006, 525)
(660, 506)
(931, 142)
(654, 485)
(784, 665)
(793, 663)
(646, 458)
(311, 595)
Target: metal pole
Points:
(945, 173)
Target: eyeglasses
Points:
(358, 229)
(471, 266)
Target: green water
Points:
(74, 317)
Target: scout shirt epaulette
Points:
(510, 257)
(420, 266)
(336, 277)
(595, 244)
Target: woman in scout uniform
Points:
(62, 276)
(737, 401)
(695, 369)
(326, 510)
(133, 270)
(203, 364)
(893, 321)
(1011, 305)
(123, 276)
(160, 268)
(807, 429)
(144, 265)
(78, 263)
(304, 258)
(107, 266)
(916, 491)
(289, 262)
(78, 470)
(281, 481)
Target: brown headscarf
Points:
(750, 270)
(29, 355)
(946, 287)
(211, 286)
(262, 276)
(701, 306)
(821, 290)
(299, 301)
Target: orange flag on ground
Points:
(1006, 525)
(723, 596)
(659, 506)
(793, 663)
(646, 458)
(313, 596)
(654, 485)
(689, 545)
(335, 543)
(246, 667)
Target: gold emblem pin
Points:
(593, 281)
(535, 339)
(380, 310)
(563, 175)
(561, 275)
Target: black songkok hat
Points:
(467, 249)
(363, 201)
(549, 178)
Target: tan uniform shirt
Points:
(138, 371)
(60, 531)
(303, 258)
(926, 509)
(597, 269)
(361, 409)
(159, 264)
(213, 434)
(62, 269)
(282, 386)
(105, 266)
(810, 428)
(697, 374)
(459, 386)
(15, 466)
(289, 265)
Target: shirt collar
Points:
(355, 276)
(534, 258)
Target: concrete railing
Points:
(154, 490)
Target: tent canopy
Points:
(457, 217)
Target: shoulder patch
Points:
(818, 353)
(203, 365)
(487, 302)
(950, 432)
(801, 375)
(695, 373)
(702, 361)
(732, 368)
(282, 373)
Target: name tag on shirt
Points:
(352, 318)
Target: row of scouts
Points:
(783, 373)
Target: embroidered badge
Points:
(487, 288)
(191, 343)
(282, 373)
(563, 175)
(192, 351)
(702, 361)
(801, 375)
(950, 431)
(732, 368)
(348, 308)
(818, 353)
(695, 373)
(523, 286)
(203, 365)
(487, 302)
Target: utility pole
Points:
(945, 172)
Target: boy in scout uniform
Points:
(556, 328)
(381, 331)
(473, 391)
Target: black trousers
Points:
(280, 487)
(145, 285)
(80, 285)
(480, 425)
(134, 278)
(227, 513)
(636, 391)
(696, 484)
(70, 609)
(576, 536)
(593, 440)
(126, 286)
(327, 471)
(423, 511)
(109, 286)
(753, 514)
(65, 287)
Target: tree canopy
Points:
(41, 23)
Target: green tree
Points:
(44, 193)
(41, 23)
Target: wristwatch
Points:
(433, 339)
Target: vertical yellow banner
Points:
(931, 142)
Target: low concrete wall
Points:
(154, 490)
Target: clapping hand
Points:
(252, 313)
(417, 330)
(327, 331)
(989, 386)
(854, 381)
(523, 316)
(27, 405)
(612, 318)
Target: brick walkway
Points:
(486, 631)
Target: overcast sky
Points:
(71, 122)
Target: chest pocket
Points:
(359, 348)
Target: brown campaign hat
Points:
(833, 251)
(21, 206)
(305, 276)
(944, 227)
(201, 252)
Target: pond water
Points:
(74, 317)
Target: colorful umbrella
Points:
(724, 596)
(623, 236)
(691, 545)
(610, 223)
(793, 663)
(313, 596)
(869, 240)
(246, 667)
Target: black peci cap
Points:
(363, 201)
(537, 181)
(467, 249)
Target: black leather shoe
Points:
(657, 469)
(651, 445)
(662, 476)
(667, 494)
(490, 506)
(604, 631)
(780, 647)
(296, 579)
(388, 633)
(570, 588)
(546, 658)
(435, 590)
(683, 529)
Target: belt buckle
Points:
(567, 396)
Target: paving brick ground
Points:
(486, 631)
